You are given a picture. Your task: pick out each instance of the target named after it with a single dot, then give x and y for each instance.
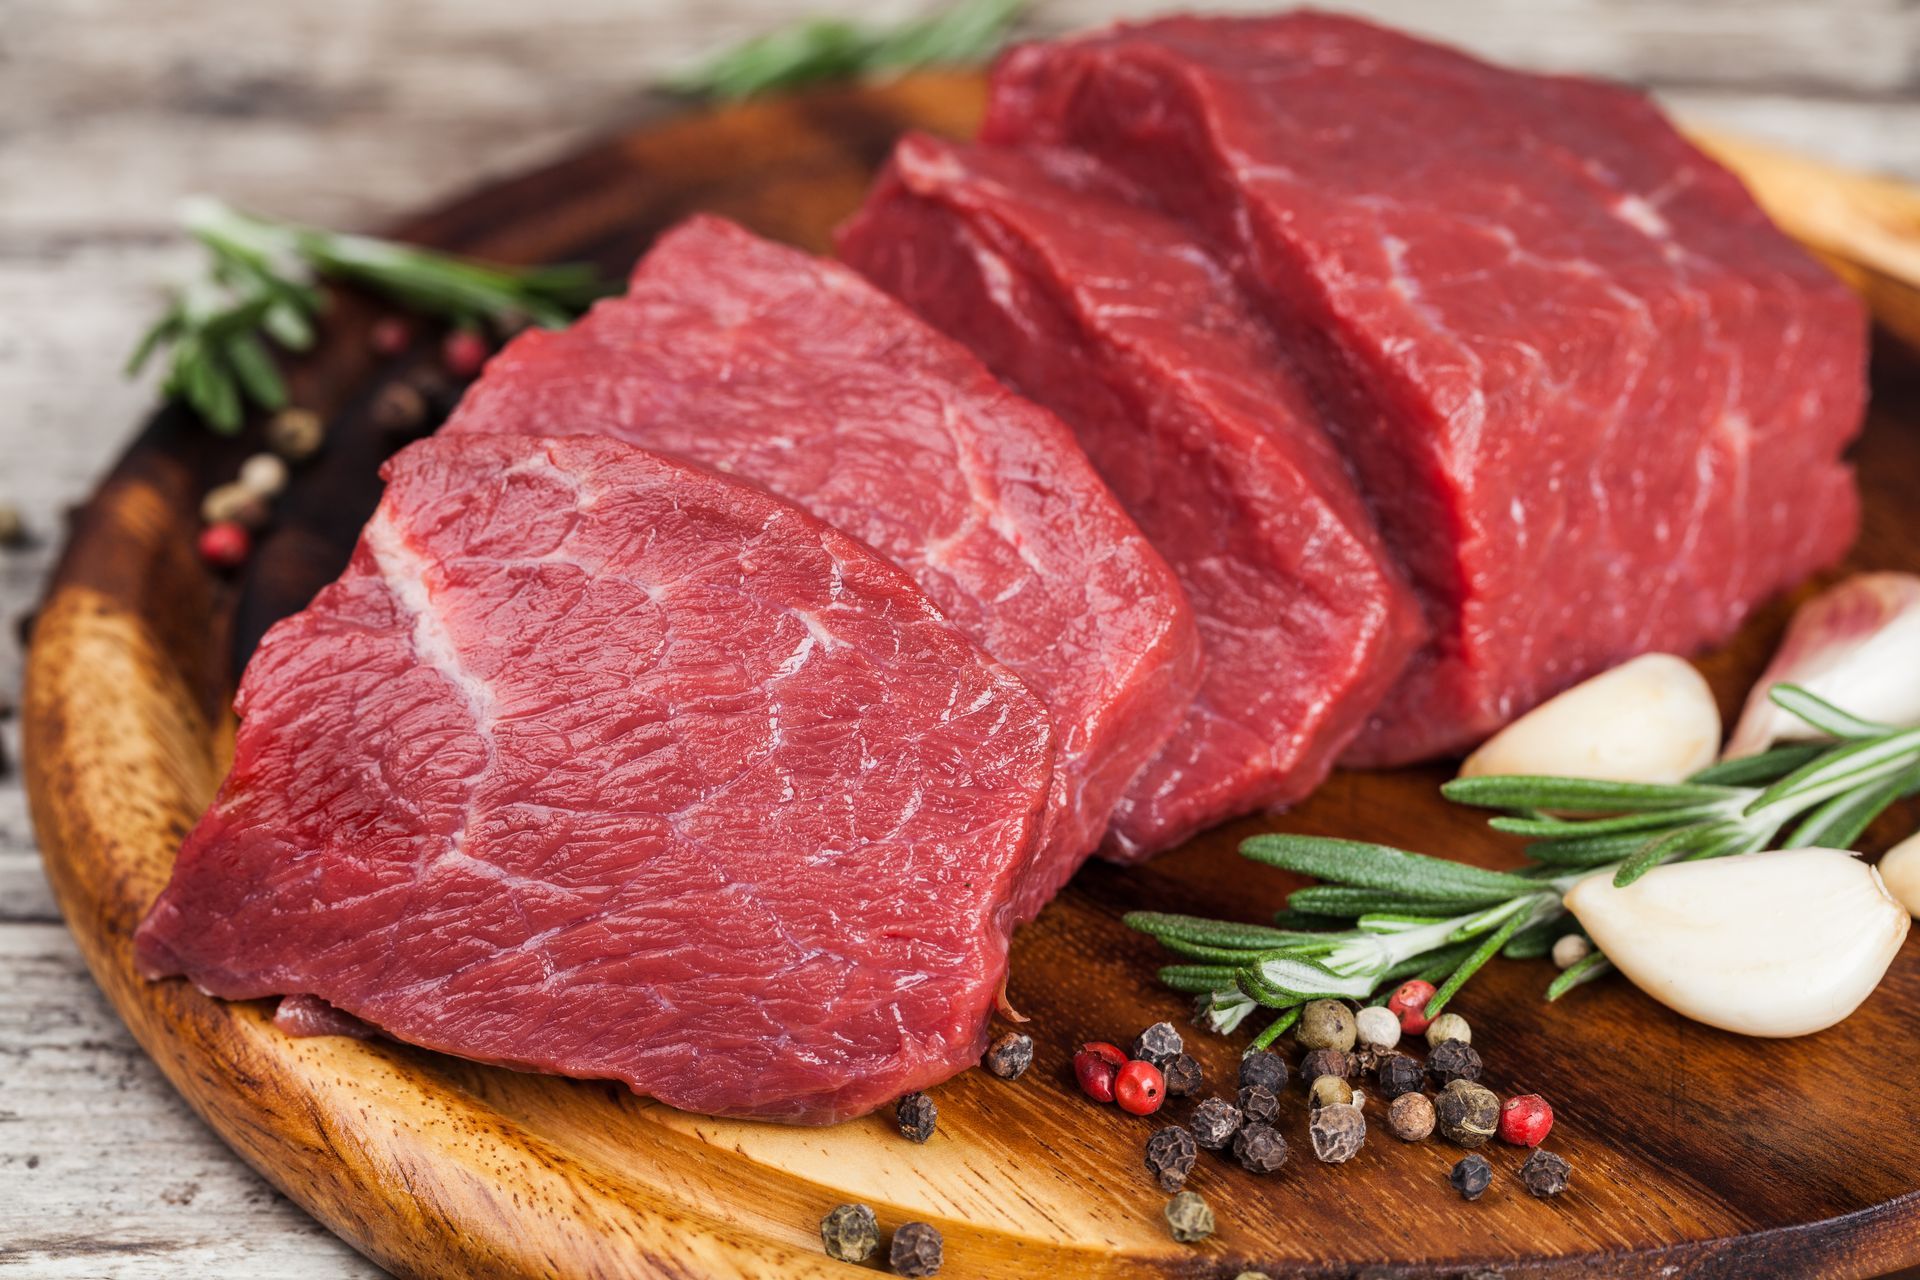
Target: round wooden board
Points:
(1695, 1153)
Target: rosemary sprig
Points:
(262, 284)
(1408, 914)
(822, 49)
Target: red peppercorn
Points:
(1526, 1120)
(1095, 1067)
(391, 336)
(225, 545)
(1409, 1004)
(464, 352)
(1139, 1088)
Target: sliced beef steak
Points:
(764, 362)
(597, 763)
(1596, 400)
(1110, 315)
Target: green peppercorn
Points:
(1326, 1024)
(1329, 1091)
(850, 1233)
(1467, 1113)
(1453, 1060)
(296, 434)
(1449, 1026)
(1338, 1132)
(1189, 1218)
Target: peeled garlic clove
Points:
(1854, 645)
(1649, 720)
(1765, 944)
(1900, 869)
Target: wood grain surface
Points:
(1696, 1152)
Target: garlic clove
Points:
(1765, 944)
(1900, 869)
(1854, 645)
(1652, 719)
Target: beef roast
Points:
(1110, 314)
(598, 763)
(1596, 400)
(764, 362)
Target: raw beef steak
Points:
(1111, 316)
(597, 763)
(1596, 400)
(764, 362)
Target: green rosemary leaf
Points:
(1576, 828)
(1840, 769)
(1348, 903)
(1394, 922)
(1373, 866)
(1275, 1029)
(1678, 843)
(1596, 851)
(1823, 715)
(831, 49)
(1838, 822)
(1433, 966)
(1214, 933)
(1536, 939)
(1585, 970)
(1767, 766)
(1288, 918)
(254, 368)
(1487, 950)
(1197, 979)
(1520, 791)
(1283, 981)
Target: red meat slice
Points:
(1596, 400)
(767, 363)
(1111, 316)
(596, 763)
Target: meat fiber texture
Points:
(1597, 402)
(598, 763)
(765, 362)
(1109, 314)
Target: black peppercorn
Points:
(1338, 1130)
(1259, 1148)
(1545, 1174)
(917, 1116)
(1170, 1155)
(916, 1250)
(1468, 1114)
(1188, 1217)
(1471, 1177)
(850, 1233)
(1265, 1068)
(1214, 1122)
(1453, 1060)
(1158, 1044)
(1398, 1074)
(1010, 1056)
(1183, 1076)
(1256, 1102)
(1326, 1062)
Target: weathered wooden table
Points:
(346, 112)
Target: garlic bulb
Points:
(1900, 868)
(1765, 944)
(1652, 719)
(1855, 646)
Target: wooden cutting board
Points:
(1695, 1152)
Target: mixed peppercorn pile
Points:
(1346, 1055)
